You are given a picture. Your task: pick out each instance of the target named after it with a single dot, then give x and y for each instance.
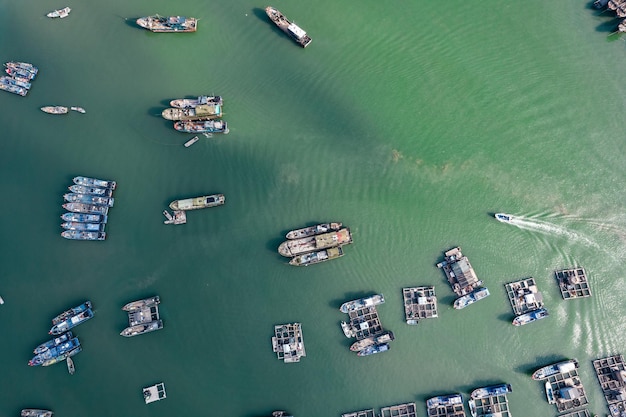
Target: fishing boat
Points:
(530, 317)
(295, 247)
(20, 82)
(550, 393)
(60, 13)
(163, 24)
(15, 89)
(195, 203)
(63, 356)
(370, 350)
(83, 235)
(70, 365)
(53, 352)
(370, 301)
(87, 218)
(313, 230)
(384, 337)
(89, 227)
(209, 126)
(83, 189)
(26, 66)
(142, 328)
(200, 112)
(72, 312)
(348, 331)
(55, 109)
(476, 295)
(443, 401)
(35, 412)
(185, 103)
(294, 31)
(53, 342)
(78, 109)
(191, 141)
(491, 391)
(20, 73)
(71, 322)
(556, 368)
(94, 182)
(317, 257)
(139, 304)
(89, 199)
(503, 217)
(86, 208)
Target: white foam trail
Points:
(551, 229)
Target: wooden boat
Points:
(61, 13)
(78, 109)
(294, 31)
(191, 141)
(55, 109)
(70, 366)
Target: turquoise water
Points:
(409, 122)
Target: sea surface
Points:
(411, 122)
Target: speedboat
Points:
(503, 217)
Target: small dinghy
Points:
(61, 13)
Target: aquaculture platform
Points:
(495, 405)
(579, 413)
(573, 283)
(364, 323)
(446, 406)
(524, 296)
(400, 410)
(419, 303)
(568, 391)
(611, 373)
(459, 272)
(288, 343)
(364, 413)
(154, 393)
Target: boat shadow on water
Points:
(261, 15)
(132, 22)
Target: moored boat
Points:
(53, 342)
(61, 13)
(198, 202)
(86, 208)
(70, 365)
(503, 217)
(163, 24)
(313, 230)
(317, 257)
(294, 247)
(208, 126)
(26, 66)
(55, 109)
(294, 31)
(86, 218)
(555, 368)
(63, 356)
(200, 112)
(384, 337)
(370, 301)
(476, 295)
(89, 199)
(142, 328)
(491, 391)
(472, 407)
(15, 89)
(549, 393)
(20, 73)
(54, 352)
(20, 82)
(139, 304)
(90, 227)
(348, 331)
(94, 182)
(83, 235)
(72, 312)
(443, 401)
(83, 189)
(71, 322)
(36, 412)
(191, 141)
(529, 317)
(185, 103)
(78, 109)
(370, 350)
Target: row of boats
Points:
(19, 77)
(88, 204)
(62, 109)
(197, 115)
(315, 244)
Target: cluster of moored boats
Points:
(19, 77)
(143, 316)
(62, 109)
(375, 343)
(197, 115)
(88, 206)
(314, 244)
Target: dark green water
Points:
(408, 121)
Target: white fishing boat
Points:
(191, 141)
(78, 109)
(70, 366)
(55, 109)
(503, 217)
(60, 13)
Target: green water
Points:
(408, 121)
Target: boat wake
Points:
(547, 228)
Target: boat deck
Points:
(288, 342)
(419, 303)
(154, 393)
(611, 373)
(568, 390)
(573, 283)
(363, 413)
(459, 272)
(147, 314)
(524, 296)
(400, 410)
(365, 322)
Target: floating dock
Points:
(494, 405)
(179, 217)
(363, 413)
(446, 406)
(419, 303)
(364, 323)
(573, 283)
(288, 343)
(459, 272)
(400, 410)
(611, 373)
(154, 393)
(568, 391)
(524, 296)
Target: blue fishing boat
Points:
(72, 312)
(86, 208)
(71, 322)
(370, 350)
(94, 182)
(490, 391)
(63, 357)
(83, 235)
(54, 352)
(53, 342)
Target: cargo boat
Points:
(208, 126)
(87, 218)
(313, 230)
(71, 322)
(200, 112)
(371, 301)
(317, 257)
(35, 412)
(291, 248)
(191, 141)
(86, 208)
(71, 312)
(86, 227)
(198, 202)
(163, 24)
(555, 368)
(529, 317)
(385, 337)
(491, 391)
(89, 199)
(83, 235)
(53, 342)
(84, 189)
(139, 304)
(476, 295)
(55, 109)
(54, 352)
(370, 350)
(186, 103)
(142, 328)
(94, 182)
(294, 31)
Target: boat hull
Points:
(196, 203)
(170, 24)
(313, 230)
(94, 182)
(365, 302)
(187, 103)
(291, 29)
(139, 304)
(72, 322)
(142, 328)
(317, 257)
